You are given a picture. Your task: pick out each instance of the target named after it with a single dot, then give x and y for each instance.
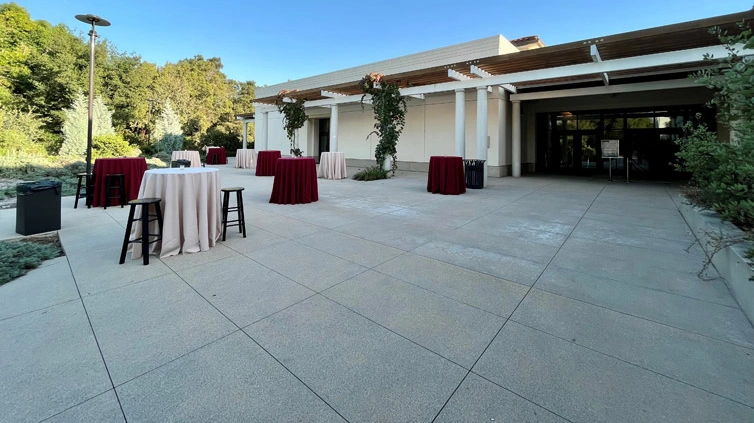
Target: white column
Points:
(334, 127)
(261, 143)
(461, 123)
(516, 135)
(502, 129)
(481, 127)
(245, 131)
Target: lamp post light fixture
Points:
(95, 21)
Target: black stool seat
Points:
(241, 220)
(145, 218)
(86, 192)
(115, 181)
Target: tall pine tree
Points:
(76, 121)
(167, 131)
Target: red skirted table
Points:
(266, 160)
(133, 168)
(295, 181)
(216, 155)
(446, 175)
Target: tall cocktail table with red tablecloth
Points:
(132, 167)
(266, 160)
(216, 155)
(446, 175)
(295, 181)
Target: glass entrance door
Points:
(589, 159)
(577, 151)
(565, 150)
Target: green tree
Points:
(16, 28)
(75, 127)
(200, 93)
(243, 102)
(128, 85)
(168, 131)
(42, 67)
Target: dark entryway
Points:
(570, 143)
(324, 135)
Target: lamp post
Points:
(94, 20)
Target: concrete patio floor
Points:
(537, 299)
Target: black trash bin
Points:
(37, 207)
(474, 173)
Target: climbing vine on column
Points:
(294, 117)
(389, 113)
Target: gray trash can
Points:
(37, 207)
(474, 173)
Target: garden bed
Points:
(730, 261)
(19, 256)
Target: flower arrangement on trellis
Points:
(294, 117)
(389, 113)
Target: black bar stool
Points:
(241, 221)
(87, 189)
(214, 159)
(110, 184)
(145, 218)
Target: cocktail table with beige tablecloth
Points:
(332, 165)
(245, 158)
(191, 210)
(192, 156)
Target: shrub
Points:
(722, 174)
(162, 155)
(371, 173)
(21, 133)
(27, 167)
(112, 145)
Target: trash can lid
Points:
(24, 188)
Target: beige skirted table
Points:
(190, 155)
(332, 165)
(246, 158)
(190, 206)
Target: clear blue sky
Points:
(273, 41)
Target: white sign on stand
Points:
(610, 151)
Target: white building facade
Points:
(521, 109)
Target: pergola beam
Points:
(595, 53)
(339, 100)
(611, 89)
(629, 63)
(458, 76)
(331, 94)
(476, 70)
